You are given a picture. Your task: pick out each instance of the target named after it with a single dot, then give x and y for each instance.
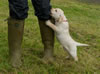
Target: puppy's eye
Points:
(56, 10)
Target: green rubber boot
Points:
(15, 36)
(47, 35)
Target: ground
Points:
(84, 20)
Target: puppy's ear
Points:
(61, 19)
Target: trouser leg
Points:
(18, 9)
(18, 12)
(42, 11)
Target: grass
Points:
(84, 22)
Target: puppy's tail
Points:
(80, 44)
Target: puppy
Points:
(61, 29)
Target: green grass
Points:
(84, 22)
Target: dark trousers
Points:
(18, 9)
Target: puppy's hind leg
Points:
(66, 49)
(73, 52)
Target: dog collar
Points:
(65, 21)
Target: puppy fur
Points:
(61, 29)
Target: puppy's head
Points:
(57, 14)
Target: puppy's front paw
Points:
(48, 22)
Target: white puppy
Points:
(61, 29)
